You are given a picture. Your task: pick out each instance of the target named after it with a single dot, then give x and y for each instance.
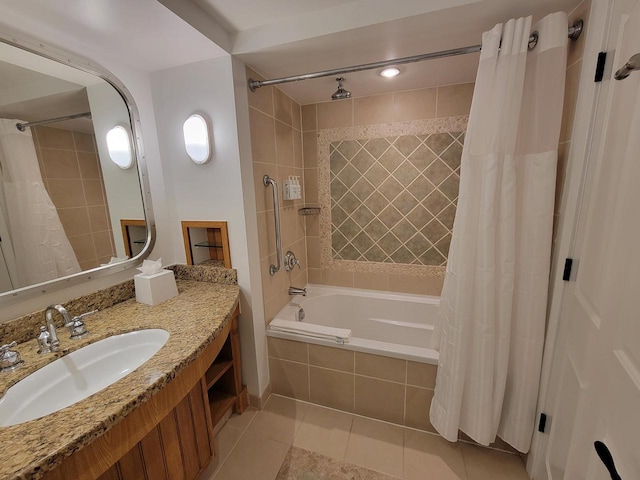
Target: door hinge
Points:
(542, 423)
(602, 59)
(566, 274)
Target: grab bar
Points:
(267, 180)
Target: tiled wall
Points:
(389, 389)
(392, 110)
(72, 175)
(276, 147)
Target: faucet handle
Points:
(9, 359)
(76, 325)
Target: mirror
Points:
(68, 210)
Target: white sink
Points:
(78, 375)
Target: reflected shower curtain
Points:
(490, 330)
(41, 247)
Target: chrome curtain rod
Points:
(23, 126)
(573, 33)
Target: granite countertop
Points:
(193, 319)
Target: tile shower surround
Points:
(393, 199)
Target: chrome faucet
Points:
(54, 343)
(9, 359)
(298, 291)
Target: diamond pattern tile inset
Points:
(386, 194)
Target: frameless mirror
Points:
(69, 210)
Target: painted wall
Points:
(212, 191)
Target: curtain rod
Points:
(573, 33)
(23, 126)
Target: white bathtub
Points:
(389, 324)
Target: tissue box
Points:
(156, 288)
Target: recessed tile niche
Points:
(391, 198)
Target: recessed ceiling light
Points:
(390, 72)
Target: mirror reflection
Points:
(65, 206)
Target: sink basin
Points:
(78, 375)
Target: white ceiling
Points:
(287, 37)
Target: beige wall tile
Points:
(263, 137)
(75, 220)
(372, 281)
(283, 105)
(407, 284)
(88, 265)
(262, 98)
(296, 116)
(98, 218)
(331, 388)
(373, 109)
(288, 350)
(309, 117)
(335, 114)
(377, 366)
(60, 163)
(49, 137)
(84, 142)
(330, 357)
(454, 100)
(65, 193)
(337, 277)
(575, 49)
(83, 247)
(376, 445)
(431, 456)
(314, 276)
(313, 252)
(311, 185)
(104, 244)
(264, 195)
(284, 144)
(414, 105)
(312, 224)
(266, 234)
(93, 192)
(433, 285)
(572, 81)
(289, 378)
(271, 285)
(289, 226)
(89, 166)
(310, 149)
(418, 403)
(379, 399)
(275, 304)
(297, 150)
(421, 374)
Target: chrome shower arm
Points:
(267, 180)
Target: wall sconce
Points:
(196, 139)
(119, 147)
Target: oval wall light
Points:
(390, 72)
(119, 147)
(196, 139)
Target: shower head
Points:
(341, 93)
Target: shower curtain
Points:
(490, 330)
(40, 245)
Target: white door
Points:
(599, 366)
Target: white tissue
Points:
(151, 267)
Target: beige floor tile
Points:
(253, 458)
(376, 445)
(241, 422)
(324, 431)
(224, 443)
(428, 456)
(487, 464)
(279, 420)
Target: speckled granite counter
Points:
(193, 319)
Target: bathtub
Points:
(388, 324)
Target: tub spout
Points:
(298, 291)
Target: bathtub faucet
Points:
(298, 291)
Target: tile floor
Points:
(253, 446)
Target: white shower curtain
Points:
(40, 245)
(491, 323)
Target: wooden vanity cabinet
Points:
(170, 437)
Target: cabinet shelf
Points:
(206, 241)
(219, 403)
(216, 371)
(207, 245)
